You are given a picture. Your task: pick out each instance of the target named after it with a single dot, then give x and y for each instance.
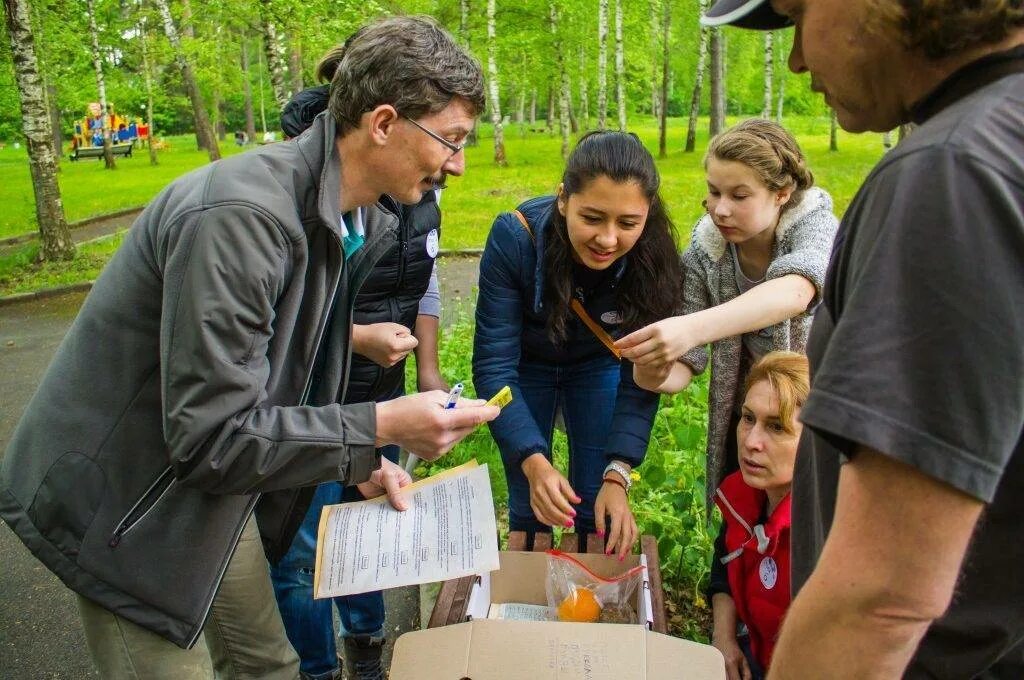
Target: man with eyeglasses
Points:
(207, 369)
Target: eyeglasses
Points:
(451, 146)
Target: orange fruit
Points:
(580, 606)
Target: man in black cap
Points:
(914, 439)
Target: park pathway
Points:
(40, 636)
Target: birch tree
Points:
(652, 20)
(202, 120)
(563, 78)
(602, 64)
(147, 72)
(717, 123)
(54, 235)
(494, 102)
(620, 68)
(698, 84)
(584, 93)
(666, 20)
(274, 54)
(250, 122)
(101, 84)
(833, 133)
(769, 74)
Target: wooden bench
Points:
(97, 151)
(453, 598)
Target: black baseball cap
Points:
(755, 14)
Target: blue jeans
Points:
(585, 392)
(309, 623)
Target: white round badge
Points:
(769, 573)
(611, 318)
(432, 244)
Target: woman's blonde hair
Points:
(769, 150)
(788, 374)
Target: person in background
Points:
(396, 312)
(749, 587)
(907, 486)
(598, 258)
(752, 277)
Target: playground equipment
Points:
(88, 131)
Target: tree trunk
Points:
(781, 98)
(533, 107)
(666, 21)
(295, 67)
(202, 120)
(584, 91)
(464, 22)
(492, 82)
(833, 135)
(698, 84)
(563, 77)
(652, 11)
(250, 122)
(904, 131)
(620, 68)
(54, 235)
(263, 105)
(717, 123)
(602, 64)
(186, 20)
(101, 85)
(550, 122)
(275, 60)
(54, 109)
(148, 75)
(769, 74)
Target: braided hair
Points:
(770, 151)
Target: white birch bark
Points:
(620, 68)
(202, 119)
(148, 73)
(101, 84)
(54, 235)
(652, 18)
(492, 85)
(666, 22)
(717, 122)
(602, 64)
(769, 73)
(698, 84)
(563, 79)
(275, 55)
(584, 91)
(250, 119)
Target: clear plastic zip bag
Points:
(577, 594)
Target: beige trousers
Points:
(244, 636)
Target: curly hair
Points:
(940, 28)
(770, 151)
(652, 284)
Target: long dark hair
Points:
(651, 286)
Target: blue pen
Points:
(454, 395)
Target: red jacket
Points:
(757, 559)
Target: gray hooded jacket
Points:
(190, 383)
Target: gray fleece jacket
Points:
(803, 244)
(204, 368)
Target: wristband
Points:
(612, 480)
(621, 470)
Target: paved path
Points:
(90, 229)
(40, 636)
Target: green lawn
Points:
(88, 189)
(469, 204)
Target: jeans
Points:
(309, 623)
(585, 393)
(243, 638)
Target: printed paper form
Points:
(448, 531)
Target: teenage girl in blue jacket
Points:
(604, 248)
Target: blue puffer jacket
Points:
(511, 328)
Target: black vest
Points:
(393, 292)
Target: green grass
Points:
(20, 273)
(88, 189)
(469, 204)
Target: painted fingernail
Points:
(572, 513)
(600, 533)
(568, 525)
(621, 557)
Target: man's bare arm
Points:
(887, 570)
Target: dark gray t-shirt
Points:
(917, 351)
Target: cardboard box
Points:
(487, 649)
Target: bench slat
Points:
(570, 543)
(649, 547)
(517, 541)
(541, 541)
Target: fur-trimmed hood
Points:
(709, 239)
